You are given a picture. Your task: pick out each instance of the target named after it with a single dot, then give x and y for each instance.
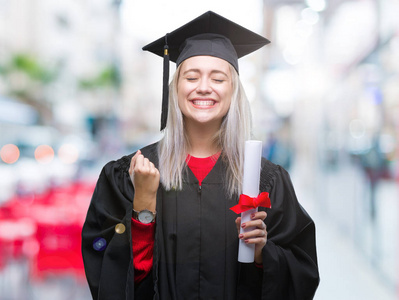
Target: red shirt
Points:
(143, 246)
(201, 166)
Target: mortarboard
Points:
(209, 34)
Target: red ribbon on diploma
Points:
(245, 203)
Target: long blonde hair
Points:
(234, 131)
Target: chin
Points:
(207, 121)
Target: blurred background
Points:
(76, 91)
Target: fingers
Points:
(257, 224)
(259, 215)
(256, 236)
(257, 220)
(144, 165)
(133, 161)
(258, 240)
(238, 224)
(146, 168)
(257, 233)
(141, 164)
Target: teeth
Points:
(204, 102)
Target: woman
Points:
(159, 224)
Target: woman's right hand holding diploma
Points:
(145, 178)
(257, 236)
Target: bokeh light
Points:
(310, 16)
(44, 154)
(68, 153)
(9, 153)
(317, 5)
(357, 128)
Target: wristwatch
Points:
(144, 216)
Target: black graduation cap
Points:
(209, 34)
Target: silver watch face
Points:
(145, 216)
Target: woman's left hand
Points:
(257, 236)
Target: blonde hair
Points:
(234, 131)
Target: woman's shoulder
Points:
(270, 172)
(268, 168)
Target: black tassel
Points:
(165, 92)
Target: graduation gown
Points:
(196, 240)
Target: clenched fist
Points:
(145, 179)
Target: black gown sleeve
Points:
(290, 268)
(106, 238)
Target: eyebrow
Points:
(198, 71)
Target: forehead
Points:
(205, 63)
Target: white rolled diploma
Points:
(250, 187)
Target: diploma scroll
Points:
(252, 166)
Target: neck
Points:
(202, 139)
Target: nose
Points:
(204, 87)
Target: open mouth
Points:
(203, 103)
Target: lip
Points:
(203, 103)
